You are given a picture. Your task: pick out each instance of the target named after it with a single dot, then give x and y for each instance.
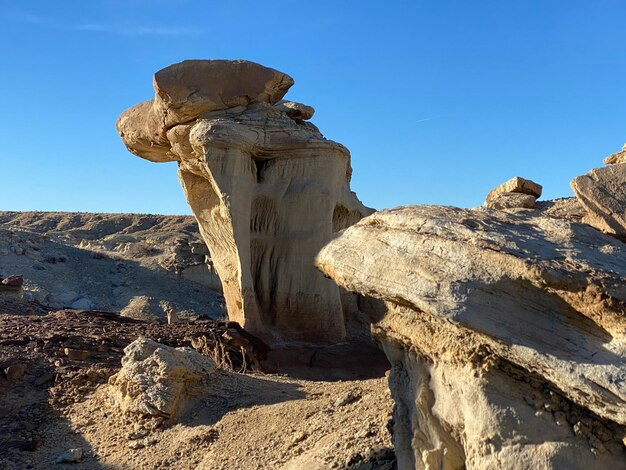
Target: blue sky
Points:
(438, 100)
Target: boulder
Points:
(295, 110)
(515, 185)
(158, 380)
(267, 189)
(602, 192)
(506, 332)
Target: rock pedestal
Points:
(267, 189)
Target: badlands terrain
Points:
(58, 353)
(296, 328)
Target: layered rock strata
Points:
(506, 331)
(602, 192)
(514, 193)
(267, 189)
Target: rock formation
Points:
(602, 192)
(267, 189)
(516, 192)
(506, 332)
(617, 157)
(157, 380)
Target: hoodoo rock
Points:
(506, 332)
(267, 189)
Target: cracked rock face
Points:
(267, 189)
(506, 332)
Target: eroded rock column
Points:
(268, 190)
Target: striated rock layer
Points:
(602, 192)
(506, 331)
(267, 189)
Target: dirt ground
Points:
(51, 402)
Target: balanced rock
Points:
(158, 380)
(267, 189)
(617, 157)
(516, 192)
(602, 192)
(506, 332)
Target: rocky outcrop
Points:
(617, 157)
(267, 189)
(506, 332)
(514, 193)
(602, 192)
(157, 380)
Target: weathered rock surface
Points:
(517, 185)
(511, 201)
(516, 192)
(506, 331)
(268, 190)
(157, 380)
(567, 208)
(295, 110)
(602, 192)
(617, 157)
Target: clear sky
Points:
(438, 100)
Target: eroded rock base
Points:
(463, 407)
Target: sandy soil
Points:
(236, 420)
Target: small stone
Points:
(299, 437)
(347, 398)
(15, 280)
(138, 434)
(77, 354)
(15, 371)
(70, 456)
(136, 445)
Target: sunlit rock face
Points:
(506, 331)
(268, 190)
